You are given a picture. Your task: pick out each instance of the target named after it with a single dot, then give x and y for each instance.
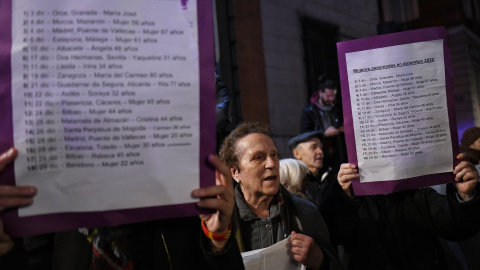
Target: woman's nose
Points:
(270, 163)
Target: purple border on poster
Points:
(433, 33)
(16, 226)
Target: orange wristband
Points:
(214, 236)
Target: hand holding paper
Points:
(305, 251)
(11, 196)
(346, 173)
(399, 112)
(7, 157)
(466, 176)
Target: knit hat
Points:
(470, 135)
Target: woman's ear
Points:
(235, 174)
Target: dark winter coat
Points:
(399, 230)
(256, 233)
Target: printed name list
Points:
(104, 85)
(399, 111)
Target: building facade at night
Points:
(271, 52)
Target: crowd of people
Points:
(259, 200)
(272, 200)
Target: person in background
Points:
(293, 174)
(325, 114)
(470, 144)
(307, 147)
(203, 242)
(266, 212)
(400, 230)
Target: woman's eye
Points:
(257, 157)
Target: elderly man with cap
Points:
(307, 147)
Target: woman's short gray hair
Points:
(292, 172)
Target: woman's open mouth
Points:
(270, 178)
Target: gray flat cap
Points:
(292, 144)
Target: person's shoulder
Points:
(303, 205)
(309, 107)
(309, 216)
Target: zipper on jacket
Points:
(166, 249)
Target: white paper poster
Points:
(399, 111)
(105, 103)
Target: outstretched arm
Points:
(219, 198)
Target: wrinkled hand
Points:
(345, 175)
(305, 251)
(220, 198)
(466, 177)
(11, 196)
